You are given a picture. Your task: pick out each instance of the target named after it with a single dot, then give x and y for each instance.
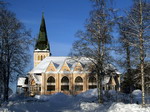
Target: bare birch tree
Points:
(139, 26)
(127, 54)
(94, 43)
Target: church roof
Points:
(58, 63)
(42, 41)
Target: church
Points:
(52, 74)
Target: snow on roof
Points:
(38, 50)
(106, 80)
(117, 72)
(37, 79)
(21, 81)
(70, 61)
(58, 63)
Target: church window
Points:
(41, 57)
(50, 87)
(51, 80)
(92, 79)
(78, 84)
(78, 80)
(65, 84)
(39, 88)
(51, 84)
(92, 82)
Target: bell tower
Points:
(42, 48)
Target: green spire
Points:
(42, 41)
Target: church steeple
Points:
(42, 42)
(42, 48)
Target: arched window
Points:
(51, 84)
(65, 80)
(51, 80)
(78, 84)
(78, 80)
(65, 84)
(92, 79)
(41, 57)
(92, 82)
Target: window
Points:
(50, 87)
(78, 80)
(92, 79)
(92, 82)
(39, 88)
(65, 84)
(51, 80)
(51, 84)
(65, 80)
(78, 84)
(92, 86)
(35, 88)
(78, 87)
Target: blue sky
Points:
(63, 19)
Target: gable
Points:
(78, 67)
(65, 67)
(112, 81)
(51, 67)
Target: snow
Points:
(60, 61)
(137, 93)
(89, 93)
(121, 107)
(21, 82)
(37, 79)
(89, 106)
(106, 80)
(137, 96)
(59, 102)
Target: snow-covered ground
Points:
(84, 102)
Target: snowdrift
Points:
(59, 102)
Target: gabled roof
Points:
(51, 64)
(42, 66)
(59, 62)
